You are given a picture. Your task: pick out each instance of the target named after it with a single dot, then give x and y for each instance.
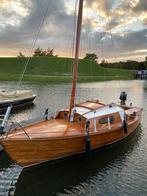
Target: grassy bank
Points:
(45, 69)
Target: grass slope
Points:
(53, 69)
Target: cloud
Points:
(133, 41)
(141, 6)
(12, 12)
(113, 46)
(106, 22)
(57, 25)
(141, 10)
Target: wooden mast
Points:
(76, 59)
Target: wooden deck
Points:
(48, 129)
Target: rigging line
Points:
(71, 47)
(112, 40)
(33, 44)
(100, 36)
(90, 62)
(101, 33)
(71, 44)
(109, 29)
(79, 97)
(102, 50)
(74, 29)
(74, 36)
(90, 49)
(108, 19)
(78, 35)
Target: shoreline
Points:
(61, 79)
(58, 70)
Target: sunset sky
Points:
(113, 29)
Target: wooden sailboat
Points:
(81, 128)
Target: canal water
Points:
(119, 170)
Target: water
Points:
(119, 170)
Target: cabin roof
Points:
(81, 110)
(105, 110)
(90, 105)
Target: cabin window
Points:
(65, 115)
(105, 120)
(79, 120)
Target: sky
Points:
(116, 30)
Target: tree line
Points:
(40, 52)
(50, 53)
(130, 64)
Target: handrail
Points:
(14, 124)
(15, 128)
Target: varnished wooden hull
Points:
(35, 151)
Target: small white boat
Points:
(17, 99)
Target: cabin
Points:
(101, 117)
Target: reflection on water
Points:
(120, 170)
(9, 174)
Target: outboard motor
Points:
(123, 97)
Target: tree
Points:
(104, 63)
(91, 56)
(49, 52)
(38, 52)
(43, 53)
(141, 66)
(20, 54)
